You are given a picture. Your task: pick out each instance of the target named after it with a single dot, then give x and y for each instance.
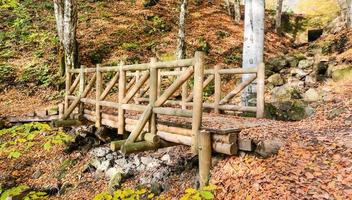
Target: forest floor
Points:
(315, 161)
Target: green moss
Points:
(341, 74)
(293, 110)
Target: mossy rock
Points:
(150, 3)
(341, 74)
(293, 110)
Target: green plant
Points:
(130, 46)
(20, 139)
(38, 74)
(126, 194)
(7, 73)
(205, 193)
(22, 189)
(203, 45)
(158, 24)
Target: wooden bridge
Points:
(160, 104)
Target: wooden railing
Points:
(159, 88)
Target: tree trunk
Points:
(278, 16)
(66, 24)
(253, 46)
(237, 11)
(349, 13)
(181, 46)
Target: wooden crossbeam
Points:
(74, 85)
(109, 86)
(205, 84)
(136, 87)
(141, 123)
(130, 84)
(83, 95)
(238, 89)
(174, 86)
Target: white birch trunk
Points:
(70, 25)
(181, 46)
(349, 14)
(237, 11)
(66, 24)
(253, 46)
(278, 15)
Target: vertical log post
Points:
(98, 91)
(153, 82)
(197, 99)
(68, 80)
(204, 158)
(61, 110)
(217, 88)
(137, 75)
(122, 91)
(184, 92)
(81, 89)
(159, 83)
(260, 90)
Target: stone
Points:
(268, 148)
(111, 172)
(95, 163)
(289, 110)
(310, 81)
(121, 162)
(335, 113)
(276, 64)
(311, 95)
(341, 74)
(276, 80)
(306, 63)
(156, 188)
(104, 165)
(146, 160)
(285, 92)
(299, 73)
(110, 156)
(136, 160)
(167, 159)
(37, 174)
(153, 165)
(115, 182)
(141, 167)
(100, 151)
(299, 85)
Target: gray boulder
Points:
(306, 63)
(285, 92)
(288, 110)
(268, 148)
(311, 95)
(298, 73)
(276, 80)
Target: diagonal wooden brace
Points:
(76, 101)
(237, 90)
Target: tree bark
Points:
(66, 25)
(349, 13)
(278, 16)
(253, 46)
(237, 11)
(181, 46)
